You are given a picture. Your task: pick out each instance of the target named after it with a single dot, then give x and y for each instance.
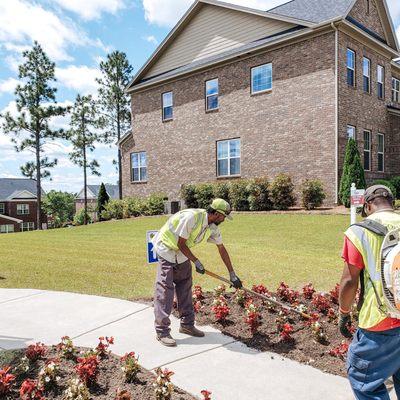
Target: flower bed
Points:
(263, 326)
(64, 372)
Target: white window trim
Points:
(381, 152)
(347, 132)
(24, 211)
(380, 82)
(211, 95)
(7, 230)
(395, 92)
(139, 166)
(251, 77)
(352, 69)
(164, 107)
(229, 159)
(367, 151)
(30, 226)
(367, 76)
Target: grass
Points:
(109, 258)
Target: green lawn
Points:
(109, 258)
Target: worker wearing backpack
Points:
(372, 257)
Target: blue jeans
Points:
(374, 357)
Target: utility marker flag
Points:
(151, 254)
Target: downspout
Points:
(336, 112)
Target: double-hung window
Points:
(212, 94)
(27, 226)
(22, 209)
(351, 132)
(367, 150)
(261, 78)
(228, 157)
(380, 78)
(351, 67)
(139, 166)
(366, 75)
(396, 90)
(6, 228)
(2, 208)
(167, 106)
(381, 152)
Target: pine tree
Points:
(36, 106)
(353, 172)
(83, 135)
(102, 199)
(114, 102)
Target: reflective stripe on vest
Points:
(170, 239)
(369, 245)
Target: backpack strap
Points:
(378, 229)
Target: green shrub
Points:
(397, 205)
(136, 206)
(239, 195)
(188, 194)
(389, 184)
(313, 194)
(259, 197)
(353, 172)
(79, 217)
(221, 190)
(282, 192)
(204, 195)
(115, 209)
(154, 204)
(395, 181)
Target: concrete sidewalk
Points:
(216, 362)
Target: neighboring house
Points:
(18, 205)
(235, 92)
(92, 194)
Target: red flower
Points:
(308, 291)
(6, 380)
(334, 293)
(35, 351)
(286, 332)
(321, 303)
(206, 394)
(30, 391)
(260, 289)
(87, 369)
(198, 293)
(340, 351)
(104, 344)
(287, 294)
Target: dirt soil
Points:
(110, 378)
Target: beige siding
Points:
(212, 31)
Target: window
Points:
(212, 95)
(2, 208)
(27, 226)
(380, 78)
(261, 78)
(351, 67)
(366, 75)
(228, 157)
(22, 209)
(381, 152)
(396, 90)
(6, 228)
(368, 7)
(167, 106)
(351, 132)
(139, 167)
(367, 150)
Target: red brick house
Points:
(236, 92)
(18, 205)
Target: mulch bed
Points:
(110, 378)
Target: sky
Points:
(77, 35)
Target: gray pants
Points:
(172, 276)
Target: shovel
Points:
(261, 296)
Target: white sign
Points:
(356, 200)
(151, 254)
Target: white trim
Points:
(380, 67)
(394, 91)
(139, 167)
(11, 218)
(354, 67)
(367, 76)
(212, 95)
(347, 132)
(251, 78)
(368, 151)
(229, 175)
(21, 195)
(391, 24)
(381, 152)
(336, 113)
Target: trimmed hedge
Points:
(313, 194)
(282, 192)
(396, 183)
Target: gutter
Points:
(336, 112)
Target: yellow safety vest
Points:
(369, 245)
(170, 239)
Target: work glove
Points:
(236, 282)
(344, 325)
(199, 267)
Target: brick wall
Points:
(5, 221)
(11, 210)
(291, 129)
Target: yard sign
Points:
(356, 200)
(151, 254)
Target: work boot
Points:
(191, 330)
(167, 340)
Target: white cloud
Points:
(8, 85)
(92, 9)
(151, 39)
(80, 78)
(168, 12)
(394, 7)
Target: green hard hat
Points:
(222, 206)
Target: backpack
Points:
(389, 269)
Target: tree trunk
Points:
(119, 154)
(38, 185)
(85, 185)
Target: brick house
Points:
(235, 92)
(18, 205)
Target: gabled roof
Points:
(93, 191)
(13, 187)
(18, 221)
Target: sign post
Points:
(151, 254)
(356, 200)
